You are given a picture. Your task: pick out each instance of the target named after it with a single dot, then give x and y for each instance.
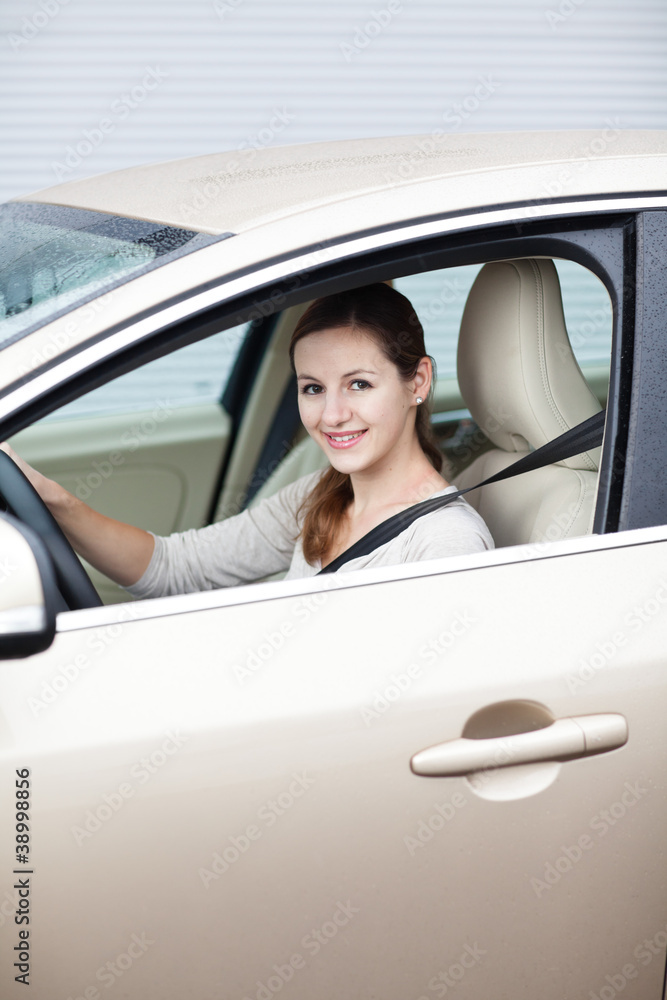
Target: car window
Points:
(440, 296)
(196, 374)
(53, 258)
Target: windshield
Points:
(53, 259)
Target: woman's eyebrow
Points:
(357, 371)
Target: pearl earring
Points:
(419, 400)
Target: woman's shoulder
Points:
(456, 529)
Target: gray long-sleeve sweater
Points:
(264, 540)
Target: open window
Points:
(212, 426)
(553, 316)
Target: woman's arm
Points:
(120, 551)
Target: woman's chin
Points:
(349, 464)
(343, 462)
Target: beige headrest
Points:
(516, 370)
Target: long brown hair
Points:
(390, 319)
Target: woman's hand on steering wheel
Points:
(26, 492)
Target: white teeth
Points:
(345, 437)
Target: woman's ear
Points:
(422, 379)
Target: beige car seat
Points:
(304, 458)
(523, 386)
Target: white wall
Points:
(129, 81)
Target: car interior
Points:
(522, 349)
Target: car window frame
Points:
(644, 499)
(587, 239)
(279, 277)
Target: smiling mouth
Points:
(344, 440)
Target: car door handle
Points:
(564, 739)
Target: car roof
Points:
(240, 190)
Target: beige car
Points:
(438, 779)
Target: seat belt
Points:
(583, 437)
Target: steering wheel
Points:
(25, 503)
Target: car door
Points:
(231, 786)
(227, 802)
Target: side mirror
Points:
(27, 592)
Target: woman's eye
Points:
(311, 390)
(360, 383)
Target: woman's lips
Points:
(344, 440)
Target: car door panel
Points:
(247, 768)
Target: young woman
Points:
(363, 380)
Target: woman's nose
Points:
(336, 409)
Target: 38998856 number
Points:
(22, 809)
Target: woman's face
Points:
(353, 402)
